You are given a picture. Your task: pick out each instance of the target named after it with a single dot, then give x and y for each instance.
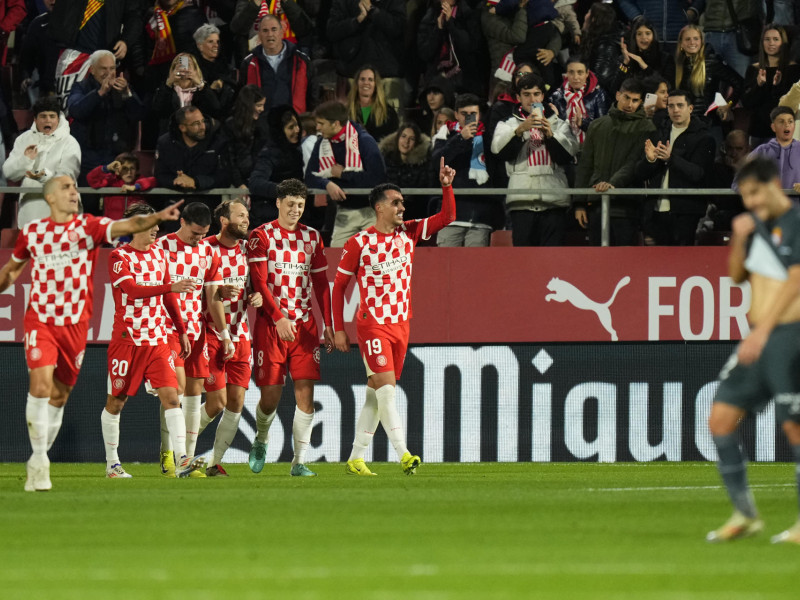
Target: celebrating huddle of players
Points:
(180, 322)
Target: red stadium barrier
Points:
(507, 295)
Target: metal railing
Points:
(590, 193)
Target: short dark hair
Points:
(291, 187)
(468, 99)
(128, 157)
(632, 86)
(378, 193)
(760, 168)
(653, 82)
(332, 111)
(138, 208)
(531, 80)
(180, 114)
(778, 111)
(46, 104)
(197, 213)
(687, 95)
(577, 58)
(224, 208)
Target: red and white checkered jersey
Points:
(63, 256)
(382, 263)
(197, 263)
(233, 270)
(291, 256)
(139, 321)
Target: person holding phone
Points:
(184, 86)
(461, 145)
(45, 150)
(535, 147)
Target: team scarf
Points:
(538, 156)
(274, 8)
(505, 72)
(91, 10)
(352, 157)
(477, 161)
(575, 106)
(164, 49)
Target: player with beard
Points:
(228, 378)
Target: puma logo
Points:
(563, 291)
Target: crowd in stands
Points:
(535, 96)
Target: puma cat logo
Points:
(563, 291)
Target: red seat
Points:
(23, 118)
(146, 163)
(501, 238)
(8, 237)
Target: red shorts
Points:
(383, 347)
(235, 371)
(273, 356)
(196, 364)
(129, 364)
(59, 345)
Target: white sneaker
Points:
(117, 472)
(38, 479)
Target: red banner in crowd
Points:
(477, 295)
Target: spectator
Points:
(449, 43)
(12, 13)
(600, 44)
(246, 132)
(105, 113)
(280, 159)
(461, 145)
(345, 156)
(184, 86)
(567, 23)
(656, 109)
(783, 148)
(367, 31)
(122, 172)
(45, 150)
(85, 26)
(733, 155)
(698, 70)
(296, 24)
(767, 81)
(39, 56)
(720, 30)
(614, 144)
(170, 28)
(504, 31)
(668, 16)
(542, 41)
(535, 142)
(441, 117)
(278, 67)
(679, 155)
(579, 100)
(434, 96)
(366, 104)
(781, 12)
(407, 154)
(216, 72)
(641, 53)
(190, 156)
(792, 100)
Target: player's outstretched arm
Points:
(447, 214)
(9, 273)
(144, 222)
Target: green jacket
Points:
(503, 33)
(717, 17)
(613, 145)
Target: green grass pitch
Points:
(457, 531)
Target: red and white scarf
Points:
(575, 106)
(352, 158)
(164, 49)
(274, 8)
(538, 156)
(505, 72)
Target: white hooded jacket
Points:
(59, 154)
